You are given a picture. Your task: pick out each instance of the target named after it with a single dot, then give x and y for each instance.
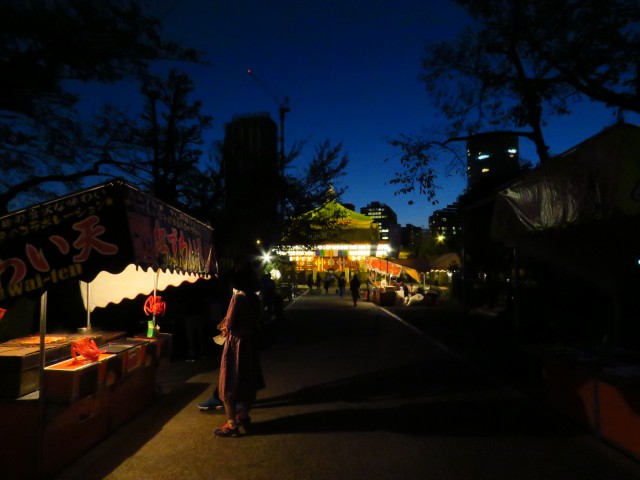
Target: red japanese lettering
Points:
(88, 239)
(184, 246)
(36, 257)
(61, 243)
(160, 234)
(173, 241)
(19, 269)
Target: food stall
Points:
(384, 295)
(62, 392)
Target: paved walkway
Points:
(353, 393)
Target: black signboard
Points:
(104, 228)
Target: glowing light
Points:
(275, 274)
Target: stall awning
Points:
(109, 288)
(448, 261)
(412, 266)
(101, 229)
(383, 266)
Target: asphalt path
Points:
(354, 393)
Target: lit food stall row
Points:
(62, 392)
(409, 270)
(384, 294)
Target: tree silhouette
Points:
(47, 49)
(162, 148)
(518, 65)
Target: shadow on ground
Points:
(436, 397)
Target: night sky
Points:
(350, 69)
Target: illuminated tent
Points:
(101, 229)
(382, 266)
(414, 267)
(110, 233)
(114, 232)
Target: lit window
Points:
(485, 170)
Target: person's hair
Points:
(245, 279)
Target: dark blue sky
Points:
(350, 70)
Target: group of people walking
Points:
(354, 285)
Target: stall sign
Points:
(101, 229)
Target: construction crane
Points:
(283, 109)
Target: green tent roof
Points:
(354, 218)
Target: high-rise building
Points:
(387, 221)
(410, 236)
(492, 158)
(447, 222)
(250, 149)
(251, 178)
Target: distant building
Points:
(387, 221)
(410, 236)
(251, 177)
(447, 222)
(492, 158)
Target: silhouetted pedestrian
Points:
(342, 283)
(354, 286)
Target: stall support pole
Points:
(88, 307)
(41, 402)
(151, 324)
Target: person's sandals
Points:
(227, 430)
(244, 422)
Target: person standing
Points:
(267, 297)
(354, 286)
(240, 371)
(219, 300)
(342, 283)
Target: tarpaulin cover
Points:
(105, 228)
(580, 211)
(587, 183)
(447, 261)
